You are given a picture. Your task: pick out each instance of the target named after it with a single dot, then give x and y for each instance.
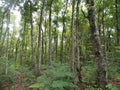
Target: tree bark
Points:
(99, 25)
(72, 37)
(39, 40)
(56, 38)
(63, 33)
(1, 32)
(45, 44)
(50, 31)
(32, 42)
(23, 41)
(78, 39)
(104, 32)
(7, 43)
(117, 23)
(42, 54)
(99, 59)
(16, 51)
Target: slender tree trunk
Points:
(39, 40)
(7, 44)
(104, 33)
(42, 57)
(23, 45)
(99, 25)
(16, 52)
(78, 68)
(61, 51)
(21, 54)
(23, 42)
(45, 58)
(50, 37)
(63, 33)
(32, 42)
(117, 22)
(56, 38)
(2, 37)
(1, 32)
(72, 37)
(99, 59)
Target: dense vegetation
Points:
(59, 44)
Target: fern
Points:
(57, 77)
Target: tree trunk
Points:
(104, 33)
(50, 31)
(78, 68)
(56, 38)
(99, 59)
(32, 42)
(117, 23)
(63, 33)
(99, 25)
(7, 44)
(23, 41)
(16, 52)
(42, 57)
(45, 44)
(2, 37)
(72, 37)
(1, 32)
(39, 39)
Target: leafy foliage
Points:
(56, 77)
(111, 87)
(89, 73)
(6, 79)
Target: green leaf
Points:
(36, 85)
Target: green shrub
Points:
(89, 74)
(111, 87)
(29, 78)
(6, 79)
(57, 77)
(28, 75)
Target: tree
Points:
(39, 39)
(7, 43)
(50, 31)
(78, 44)
(117, 22)
(32, 42)
(72, 37)
(99, 59)
(63, 33)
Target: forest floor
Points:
(20, 85)
(115, 83)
